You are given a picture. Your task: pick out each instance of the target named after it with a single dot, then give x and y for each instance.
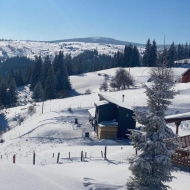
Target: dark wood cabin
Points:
(108, 112)
(185, 76)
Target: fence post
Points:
(85, 154)
(14, 158)
(53, 155)
(34, 158)
(81, 156)
(69, 155)
(105, 153)
(58, 157)
(102, 154)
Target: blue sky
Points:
(128, 20)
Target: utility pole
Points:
(42, 107)
(164, 41)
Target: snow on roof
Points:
(185, 72)
(178, 116)
(92, 112)
(115, 101)
(112, 123)
(102, 102)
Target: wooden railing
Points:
(182, 155)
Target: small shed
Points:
(109, 111)
(185, 76)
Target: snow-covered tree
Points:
(155, 142)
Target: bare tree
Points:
(122, 79)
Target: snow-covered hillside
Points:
(11, 48)
(54, 131)
(30, 49)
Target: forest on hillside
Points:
(49, 79)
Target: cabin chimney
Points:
(123, 97)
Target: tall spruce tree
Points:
(38, 93)
(45, 67)
(12, 94)
(152, 167)
(171, 54)
(28, 74)
(4, 94)
(127, 61)
(68, 63)
(146, 61)
(153, 54)
(50, 85)
(135, 57)
(36, 72)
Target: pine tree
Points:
(153, 55)
(50, 85)
(12, 94)
(27, 75)
(135, 59)
(19, 78)
(127, 61)
(80, 66)
(36, 72)
(45, 67)
(4, 101)
(171, 54)
(38, 93)
(152, 167)
(146, 61)
(186, 51)
(68, 63)
(180, 52)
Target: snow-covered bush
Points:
(70, 110)
(31, 110)
(88, 91)
(104, 86)
(20, 119)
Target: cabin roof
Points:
(185, 72)
(103, 102)
(92, 112)
(115, 101)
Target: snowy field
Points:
(54, 131)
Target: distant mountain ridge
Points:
(98, 39)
